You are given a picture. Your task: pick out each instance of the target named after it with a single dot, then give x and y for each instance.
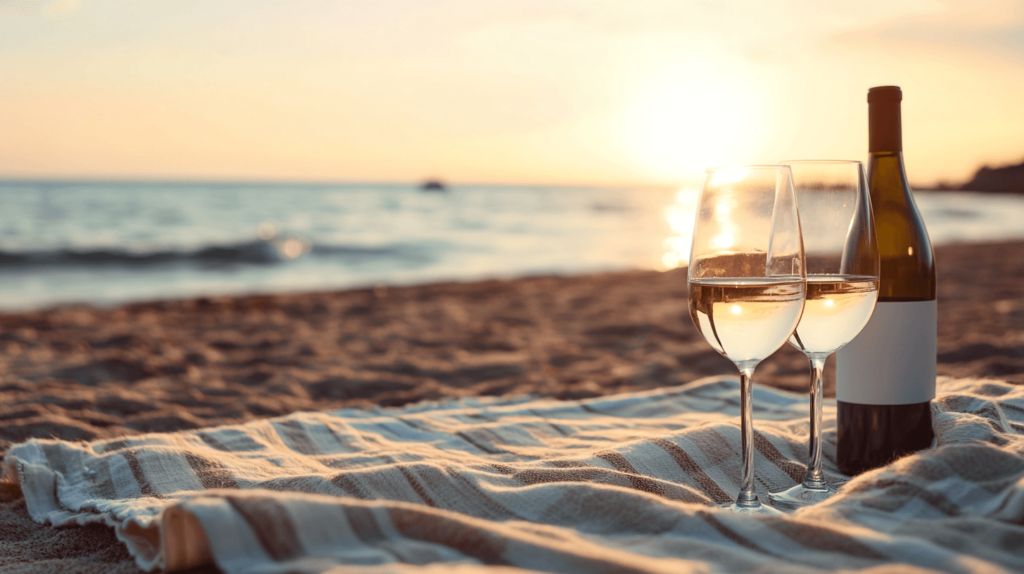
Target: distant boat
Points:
(432, 185)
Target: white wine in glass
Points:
(837, 308)
(746, 281)
(841, 258)
(744, 318)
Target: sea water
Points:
(108, 243)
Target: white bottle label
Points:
(891, 361)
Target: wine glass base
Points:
(762, 509)
(799, 496)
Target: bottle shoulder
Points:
(892, 201)
(905, 249)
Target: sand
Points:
(83, 373)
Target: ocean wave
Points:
(259, 252)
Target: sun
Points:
(678, 127)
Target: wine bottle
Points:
(885, 377)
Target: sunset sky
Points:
(518, 91)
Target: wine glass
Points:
(746, 280)
(842, 287)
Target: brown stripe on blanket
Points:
(685, 462)
(240, 441)
(420, 490)
(988, 410)
(531, 476)
(140, 476)
(543, 419)
(1006, 405)
(732, 535)
(484, 500)
(992, 412)
(479, 416)
(210, 472)
(820, 537)
(569, 463)
(556, 428)
(898, 491)
(213, 442)
(408, 422)
(350, 487)
(364, 524)
(341, 439)
(479, 445)
(113, 445)
(1007, 500)
(795, 470)
(639, 481)
(430, 527)
(488, 547)
(295, 435)
(503, 469)
(716, 448)
(998, 439)
(271, 524)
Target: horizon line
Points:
(318, 182)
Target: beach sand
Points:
(82, 373)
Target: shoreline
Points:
(388, 238)
(560, 336)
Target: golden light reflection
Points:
(736, 309)
(679, 215)
(728, 175)
(292, 248)
(266, 230)
(723, 241)
(677, 244)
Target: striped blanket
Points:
(624, 483)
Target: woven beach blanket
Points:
(626, 483)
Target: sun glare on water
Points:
(679, 216)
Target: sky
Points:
(595, 92)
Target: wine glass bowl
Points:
(841, 258)
(746, 280)
(746, 319)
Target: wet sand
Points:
(82, 373)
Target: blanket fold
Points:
(624, 483)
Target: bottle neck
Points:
(885, 132)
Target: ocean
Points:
(110, 243)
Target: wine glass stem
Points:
(747, 497)
(814, 477)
